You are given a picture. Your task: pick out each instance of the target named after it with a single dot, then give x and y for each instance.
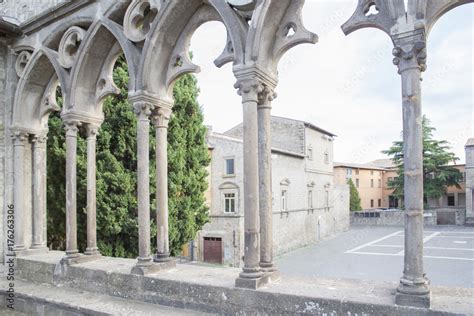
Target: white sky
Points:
(348, 85)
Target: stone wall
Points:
(386, 218)
(3, 77)
(22, 10)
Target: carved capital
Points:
(19, 138)
(266, 97)
(410, 56)
(161, 117)
(249, 89)
(72, 128)
(143, 109)
(92, 130)
(39, 140)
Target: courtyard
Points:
(376, 253)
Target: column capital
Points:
(143, 109)
(72, 127)
(92, 130)
(266, 97)
(161, 117)
(19, 138)
(39, 139)
(249, 89)
(410, 56)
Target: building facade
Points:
(307, 206)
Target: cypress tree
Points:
(117, 224)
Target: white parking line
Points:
(398, 255)
(373, 242)
(439, 248)
(425, 240)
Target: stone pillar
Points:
(19, 142)
(143, 112)
(72, 128)
(91, 249)
(251, 275)
(39, 191)
(161, 118)
(410, 57)
(265, 180)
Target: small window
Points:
(371, 183)
(380, 203)
(371, 203)
(310, 153)
(229, 203)
(349, 172)
(310, 200)
(390, 179)
(357, 183)
(357, 171)
(380, 183)
(284, 200)
(372, 172)
(326, 157)
(230, 166)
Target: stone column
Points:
(39, 191)
(265, 180)
(72, 128)
(410, 57)
(91, 249)
(19, 142)
(143, 112)
(161, 118)
(250, 277)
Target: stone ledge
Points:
(211, 289)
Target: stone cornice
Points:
(82, 117)
(154, 100)
(49, 16)
(257, 73)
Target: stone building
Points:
(469, 180)
(306, 204)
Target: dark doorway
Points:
(392, 202)
(451, 201)
(213, 250)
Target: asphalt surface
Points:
(376, 253)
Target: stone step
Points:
(48, 300)
(469, 221)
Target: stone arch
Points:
(35, 95)
(91, 75)
(282, 22)
(436, 10)
(172, 61)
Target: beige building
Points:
(371, 180)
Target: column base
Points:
(413, 293)
(271, 271)
(32, 251)
(153, 267)
(162, 257)
(79, 258)
(92, 252)
(252, 283)
(413, 300)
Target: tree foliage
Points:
(438, 174)
(117, 224)
(354, 203)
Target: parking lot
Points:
(376, 253)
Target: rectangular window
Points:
(229, 202)
(230, 166)
(349, 172)
(372, 172)
(380, 183)
(326, 157)
(380, 203)
(310, 154)
(310, 200)
(357, 183)
(371, 203)
(284, 200)
(357, 171)
(371, 183)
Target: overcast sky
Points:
(348, 85)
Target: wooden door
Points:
(213, 250)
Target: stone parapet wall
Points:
(386, 218)
(22, 10)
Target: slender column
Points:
(160, 120)
(249, 90)
(143, 112)
(265, 179)
(410, 58)
(19, 141)
(39, 156)
(72, 128)
(91, 191)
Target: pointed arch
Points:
(35, 94)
